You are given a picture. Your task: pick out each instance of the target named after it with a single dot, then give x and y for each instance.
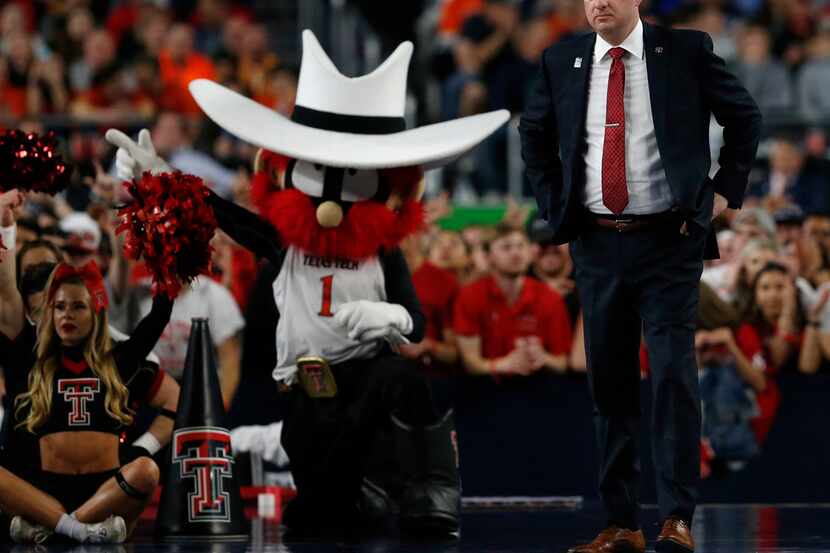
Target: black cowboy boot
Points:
(431, 500)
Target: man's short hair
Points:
(500, 231)
(34, 280)
(34, 245)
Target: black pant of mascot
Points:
(374, 449)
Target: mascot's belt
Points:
(315, 377)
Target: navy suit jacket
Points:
(687, 83)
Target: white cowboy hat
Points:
(346, 122)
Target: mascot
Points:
(338, 188)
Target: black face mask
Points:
(34, 278)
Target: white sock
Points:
(69, 526)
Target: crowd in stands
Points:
(501, 301)
(488, 49)
(78, 67)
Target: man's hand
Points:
(515, 215)
(818, 309)
(9, 202)
(437, 208)
(719, 206)
(103, 185)
(516, 362)
(132, 158)
(417, 350)
(535, 351)
(563, 285)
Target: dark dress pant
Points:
(632, 285)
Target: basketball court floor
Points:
(523, 529)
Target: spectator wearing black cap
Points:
(794, 250)
(84, 239)
(788, 225)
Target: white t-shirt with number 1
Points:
(308, 292)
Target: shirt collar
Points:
(633, 44)
(496, 292)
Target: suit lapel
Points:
(582, 76)
(657, 63)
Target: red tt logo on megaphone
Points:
(204, 456)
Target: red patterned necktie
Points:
(614, 187)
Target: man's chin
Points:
(604, 24)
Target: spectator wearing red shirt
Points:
(507, 322)
(454, 13)
(777, 318)
(447, 250)
(437, 289)
(768, 338)
(180, 63)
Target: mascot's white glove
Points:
(133, 158)
(265, 440)
(366, 320)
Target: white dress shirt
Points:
(648, 188)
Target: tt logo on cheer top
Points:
(204, 456)
(79, 391)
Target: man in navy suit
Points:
(615, 142)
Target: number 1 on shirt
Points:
(325, 307)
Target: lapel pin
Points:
(578, 63)
(658, 50)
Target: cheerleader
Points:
(81, 390)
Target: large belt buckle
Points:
(622, 224)
(316, 377)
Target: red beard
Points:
(368, 228)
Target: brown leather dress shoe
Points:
(675, 537)
(614, 540)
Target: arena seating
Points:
(534, 436)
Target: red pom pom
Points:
(31, 162)
(169, 224)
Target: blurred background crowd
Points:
(499, 295)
